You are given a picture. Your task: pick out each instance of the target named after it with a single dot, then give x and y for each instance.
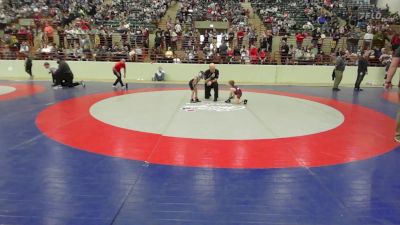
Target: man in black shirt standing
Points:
(211, 82)
(28, 65)
(362, 71)
(284, 52)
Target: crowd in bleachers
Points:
(217, 10)
(82, 27)
(92, 30)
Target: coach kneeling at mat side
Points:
(211, 82)
(64, 76)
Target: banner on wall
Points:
(370, 15)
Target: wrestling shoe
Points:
(192, 101)
(83, 83)
(228, 101)
(245, 102)
(197, 100)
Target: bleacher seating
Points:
(124, 28)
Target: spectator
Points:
(86, 44)
(132, 55)
(230, 54)
(284, 52)
(368, 37)
(176, 60)
(253, 54)
(169, 55)
(384, 57)
(299, 54)
(263, 56)
(178, 29)
(352, 41)
(223, 50)
(157, 40)
(159, 75)
(49, 32)
(244, 55)
(240, 35)
(48, 49)
(24, 48)
(299, 40)
(174, 40)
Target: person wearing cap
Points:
(193, 83)
(117, 72)
(211, 82)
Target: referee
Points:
(211, 82)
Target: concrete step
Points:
(171, 12)
(107, 2)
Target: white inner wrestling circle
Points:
(266, 116)
(6, 89)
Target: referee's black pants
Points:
(207, 90)
(360, 78)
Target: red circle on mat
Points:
(393, 96)
(22, 90)
(365, 133)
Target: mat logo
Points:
(215, 107)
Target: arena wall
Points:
(263, 74)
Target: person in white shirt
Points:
(52, 71)
(178, 29)
(132, 55)
(24, 48)
(368, 40)
(159, 75)
(48, 49)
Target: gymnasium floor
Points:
(293, 155)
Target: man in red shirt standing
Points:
(49, 31)
(240, 35)
(117, 72)
(299, 40)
